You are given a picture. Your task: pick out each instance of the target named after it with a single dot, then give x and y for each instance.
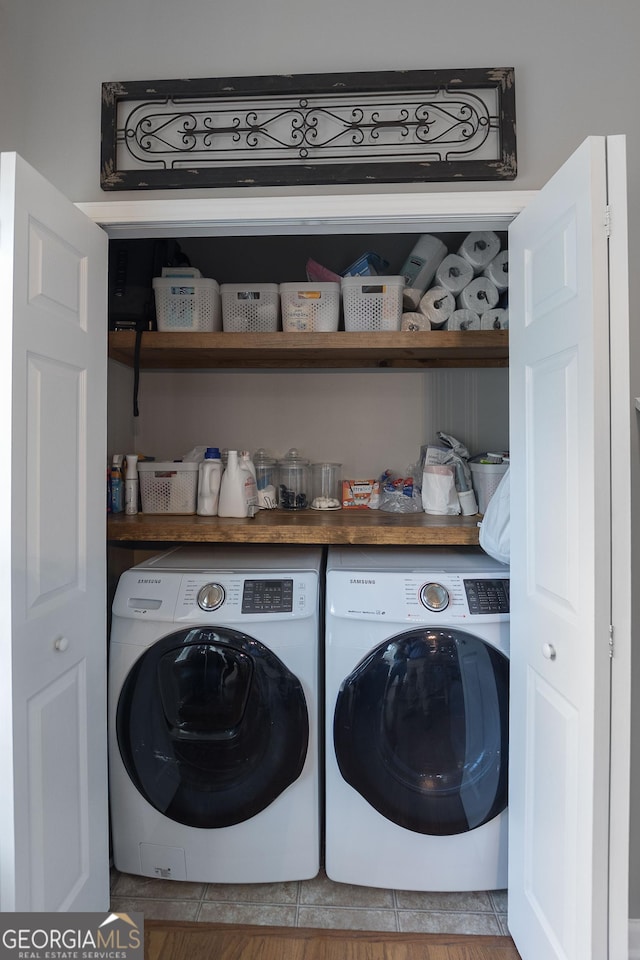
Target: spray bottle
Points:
(131, 485)
(117, 493)
(250, 483)
(209, 479)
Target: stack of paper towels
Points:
(466, 290)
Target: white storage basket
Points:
(250, 308)
(310, 306)
(187, 303)
(372, 303)
(486, 477)
(168, 487)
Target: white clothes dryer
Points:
(213, 715)
(417, 684)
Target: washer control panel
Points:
(216, 596)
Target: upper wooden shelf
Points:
(434, 348)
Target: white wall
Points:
(576, 62)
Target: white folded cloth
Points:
(480, 248)
(454, 273)
(437, 305)
(480, 295)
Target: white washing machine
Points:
(417, 687)
(213, 715)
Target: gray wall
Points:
(576, 61)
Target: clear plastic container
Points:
(293, 481)
(326, 486)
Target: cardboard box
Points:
(356, 494)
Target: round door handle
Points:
(548, 651)
(61, 644)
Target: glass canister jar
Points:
(326, 484)
(293, 481)
(265, 469)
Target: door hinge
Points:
(611, 648)
(607, 220)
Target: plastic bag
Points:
(495, 536)
(397, 494)
(439, 494)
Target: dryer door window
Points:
(211, 726)
(421, 731)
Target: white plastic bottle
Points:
(131, 484)
(250, 481)
(209, 480)
(232, 502)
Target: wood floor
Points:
(211, 941)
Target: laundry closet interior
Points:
(366, 400)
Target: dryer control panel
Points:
(420, 597)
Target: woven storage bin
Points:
(250, 308)
(187, 304)
(310, 306)
(372, 303)
(168, 487)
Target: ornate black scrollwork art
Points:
(404, 126)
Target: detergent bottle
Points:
(232, 502)
(209, 480)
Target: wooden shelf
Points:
(306, 526)
(434, 348)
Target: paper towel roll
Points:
(415, 321)
(437, 305)
(411, 298)
(480, 295)
(454, 273)
(498, 270)
(420, 266)
(480, 248)
(497, 319)
(463, 320)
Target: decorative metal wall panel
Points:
(437, 125)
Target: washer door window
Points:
(211, 726)
(421, 731)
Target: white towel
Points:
(497, 319)
(498, 270)
(437, 305)
(480, 295)
(415, 321)
(479, 249)
(454, 273)
(463, 320)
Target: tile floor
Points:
(312, 903)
